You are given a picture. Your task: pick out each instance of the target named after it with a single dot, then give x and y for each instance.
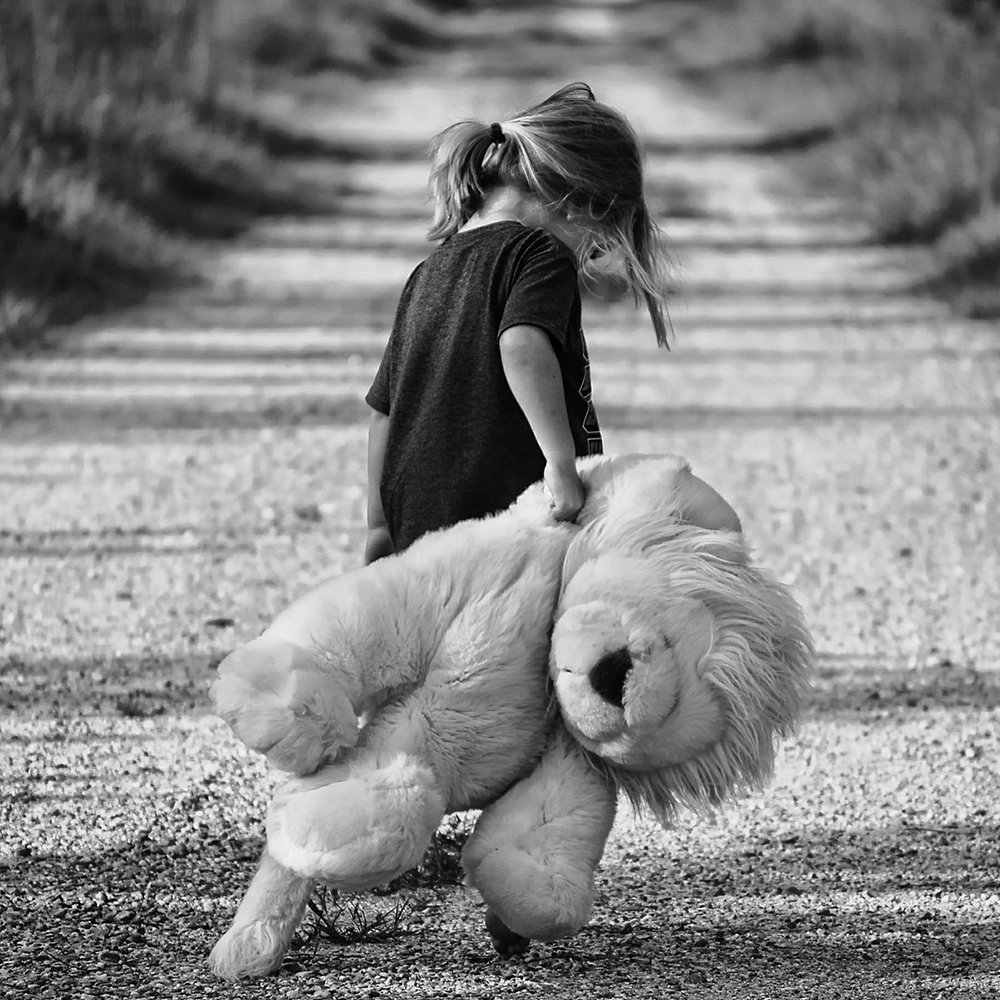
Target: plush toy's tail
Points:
(264, 923)
(279, 703)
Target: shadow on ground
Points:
(126, 686)
(852, 686)
(148, 685)
(849, 901)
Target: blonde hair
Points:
(576, 155)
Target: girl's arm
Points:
(535, 379)
(379, 541)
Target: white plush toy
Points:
(422, 685)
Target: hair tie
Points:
(496, 133)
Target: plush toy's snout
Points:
(607, 676)
(590, 663)
(621, 678)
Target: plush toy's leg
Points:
(359, 824)
(354, 825)
(534, 851)
(264, 923)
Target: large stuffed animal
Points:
(423, 684)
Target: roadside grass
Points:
(306, 36)
(118, 141)
(898, 107)
(388, 912)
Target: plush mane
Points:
(758, 667)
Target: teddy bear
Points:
(523, 667)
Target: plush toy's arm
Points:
(534, 851)
(296, 692)
(279, 702)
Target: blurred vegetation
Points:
(896, 104)
(118, 138)
(123, 124)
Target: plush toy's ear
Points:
(702, 506)
(637, 504)
(621, 486)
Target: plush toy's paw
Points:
(533, 853)
(507, 943)
(279, 703)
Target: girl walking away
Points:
(484, 387)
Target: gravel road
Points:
(172, 476)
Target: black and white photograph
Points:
(500, 499)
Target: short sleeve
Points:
(543, 289)
(379, 395)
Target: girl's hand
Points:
(566, 491)
(378, 544)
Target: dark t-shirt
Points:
(458, 444)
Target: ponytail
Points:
(459, 180)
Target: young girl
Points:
(484, 387)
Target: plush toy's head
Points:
(676, 663)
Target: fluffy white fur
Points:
(417, 686)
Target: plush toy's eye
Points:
(607, 676)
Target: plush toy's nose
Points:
(607, 676)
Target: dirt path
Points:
(173, 476)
